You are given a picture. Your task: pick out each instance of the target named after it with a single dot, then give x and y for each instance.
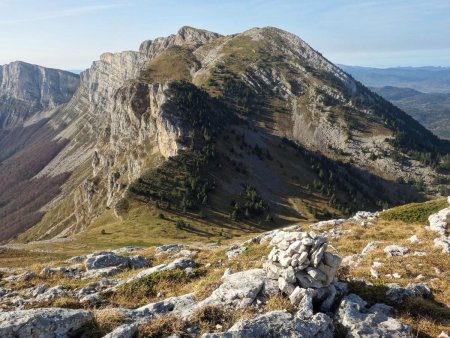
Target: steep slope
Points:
(255, 129)
(29, 96)
(430, 109)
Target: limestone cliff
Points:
(26, 89)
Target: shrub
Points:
(414, 212)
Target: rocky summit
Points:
(209, 185)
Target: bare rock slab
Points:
(42, 323)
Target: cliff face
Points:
(26, 89)
(118, 126)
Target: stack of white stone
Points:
(300, 259)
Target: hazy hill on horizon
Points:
(422, 92)
(424, 79)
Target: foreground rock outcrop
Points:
(43, 323)
(359, 321)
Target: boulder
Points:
(395, 250)
(359, 321)
(279, 324)
(443, 243)
(235, 251)
(66, 271)
(368, 248)
(238, 289)
(104, 272)
(124, 331)
(168, 248)
(332, 222)
(137, 262)
(439, 221)
(27, 275)
(398, 294)
(180, 305)
(181, 263)
(105, 259)
(52, 293)
(43, 323)
(365, 216)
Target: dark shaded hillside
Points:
(24, 153)
(235, 171)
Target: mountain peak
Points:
(188, 32)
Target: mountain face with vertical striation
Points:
(255, 128)
(26, 89)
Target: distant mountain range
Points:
(423, 79)
(422, 92)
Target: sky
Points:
(70, 34)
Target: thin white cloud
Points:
(62, 13)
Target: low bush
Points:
(414, 212)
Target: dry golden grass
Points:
(106, 320)
(428, 317)
(61, 302)
(161, 327)
(208, 317)
(279, 302)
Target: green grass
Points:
(140, 227)
(414, 212)
(175, 63)
(145, 289)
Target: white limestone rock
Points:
(395, 250)
(398, 294)
(168, 248)
(42, 323)
(279, 324)
(235, 251)
(359, 321)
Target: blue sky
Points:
(71, 34)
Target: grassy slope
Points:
(141, 227)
